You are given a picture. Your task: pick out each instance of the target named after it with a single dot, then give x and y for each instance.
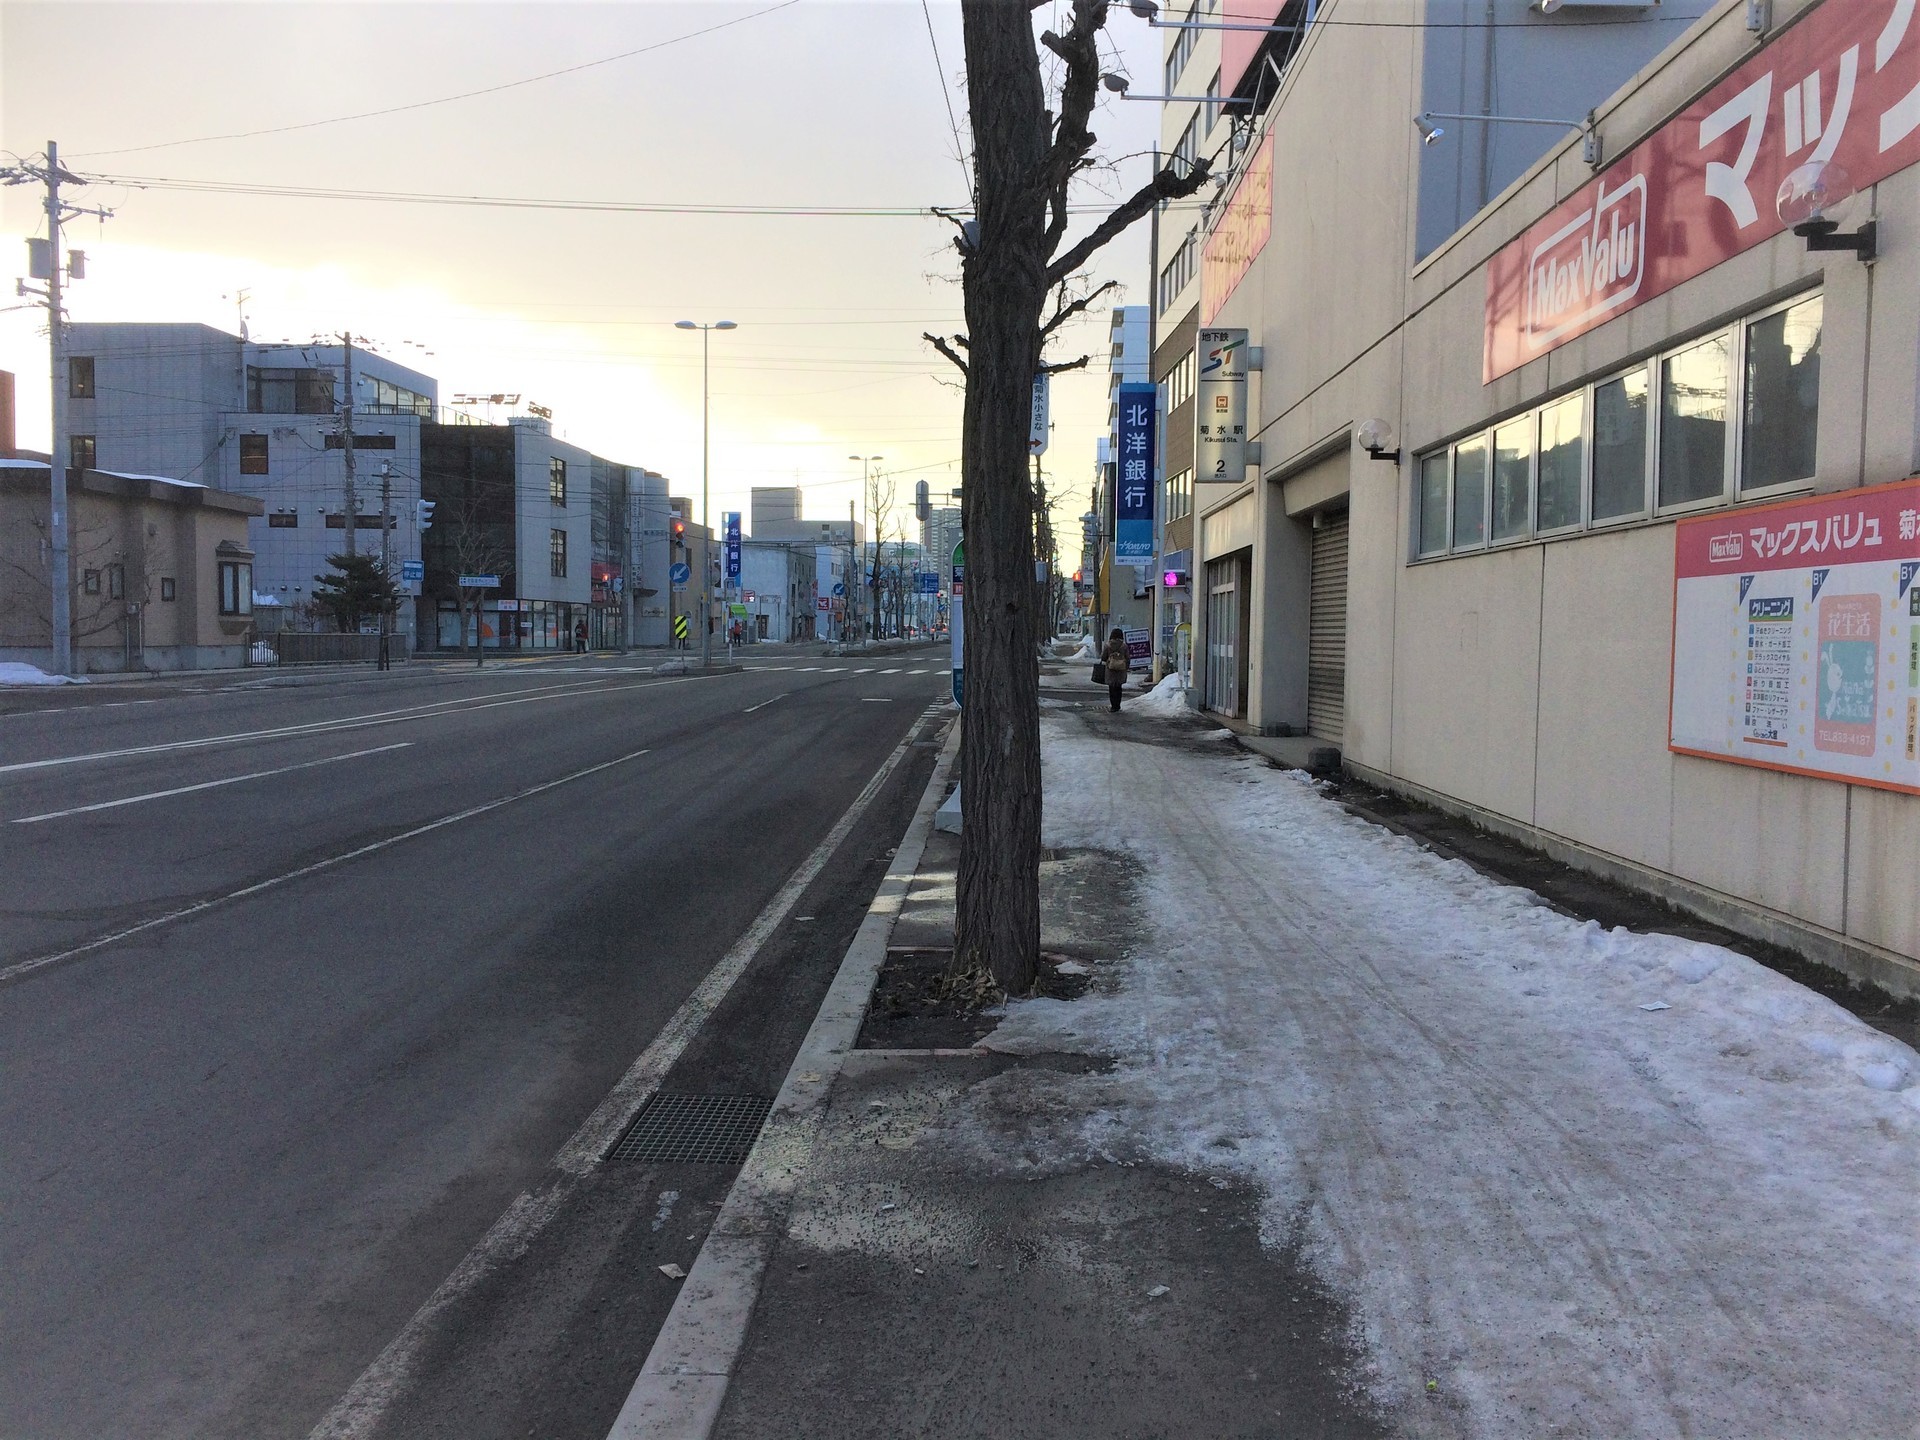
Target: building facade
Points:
(1532, 427)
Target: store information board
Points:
(1796, 637)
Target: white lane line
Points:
(764, 703)
(40, 962)
(876, 700)
(205, 785)
(439, 708)
(916, 672)
(808, 669)
(360, 1411)
(890, 672)
(867, 671)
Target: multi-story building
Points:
(194, 403)
(1581, 500)
(780, 587)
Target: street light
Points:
(874, 616)
(706, 565)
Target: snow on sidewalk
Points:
(14, 672)
(1555, 1210)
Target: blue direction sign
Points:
(412, 572)
(681, 572)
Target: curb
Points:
(684, 1382)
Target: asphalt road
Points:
(301, 984)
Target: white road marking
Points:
(466, 705)
(764, 703)
(867, 671)
(808, 669)
(205, 785)
(876, 699)
(40, 962)
(916, 672)
(889, 672)
(360, 1411)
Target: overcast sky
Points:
(818, 103)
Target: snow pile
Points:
(1165, 701)
(1086, 650)
(13, 672)
(1562, 1209)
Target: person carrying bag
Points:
(1113, 667)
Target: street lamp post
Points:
(706, 520)
(873, 617)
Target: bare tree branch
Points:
(940, 344)
(1067, 311)
(1055, 369)
(1164, 186)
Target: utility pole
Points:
(846, 602)
(386, 555)
(51, 174)
(346, 448)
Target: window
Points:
(1513, 480)
(236, 587)
(1620, 446)
(1602, 444)
(1781, 413)
(1693, 423)
(81, 452)
(1180, 494)
(116, 582)
(253, 455)
(284, 520)
(557, 554)
(90, 582)
(1177, 272)
(273, 391)
(1176, 388)
(1433, 503)
(167, 591)
(1562, 448)
(360, 442)
(1184, 41)
(1186, 150)
(80, 377)
(557, 482)
(1470, 492)
(1211, 111)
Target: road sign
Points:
(681, 572)
(926, 582)
(839, 588)
(679, 627)
(412, 572)
(1037, 427)
(479, 582)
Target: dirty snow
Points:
(1553, 1211)
(14, 672)
(1164, 701)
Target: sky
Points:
(801, 105)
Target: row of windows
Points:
(1178, 271)
(1180, 494)
(1177, 388)
(1184, 41)
(392, 399)
(272, 391)
(1724, 417)
(115, 580)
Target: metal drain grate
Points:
(694, 1129)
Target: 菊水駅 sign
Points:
(1841, 85)
(1796, 637)
(1220, 414)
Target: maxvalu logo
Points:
(1592, 264)
(1726, 549)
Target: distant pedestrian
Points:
(580, 637)
(1118, 662)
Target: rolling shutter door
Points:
(1327, 630)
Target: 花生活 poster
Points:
(1796, 636)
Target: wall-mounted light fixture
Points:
(1376, 438)
(1118, 84)
(1813, 201)
(1591, 149)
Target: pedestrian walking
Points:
(1118, 662)
(580, 637)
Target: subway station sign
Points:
(1220, 416)
(1840, 85)
(1796, 637)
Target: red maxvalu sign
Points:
(1846, 528)
(1841, 85)
(1241, 234)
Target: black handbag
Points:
(1099, 672)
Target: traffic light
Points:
(679, 532)
(423, 512)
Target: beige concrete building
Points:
(162, 572)
(1592, 384)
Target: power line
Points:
(450, 99)
(959, 150)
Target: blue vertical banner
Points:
(1133, 476)
(731, 520)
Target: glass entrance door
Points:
(1223, 637)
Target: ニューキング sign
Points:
(1796, 637)
(1220, 411)
(1133, 476)
(1840, 85)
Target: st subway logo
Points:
(1594, 263)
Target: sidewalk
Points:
(1344, 1139)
